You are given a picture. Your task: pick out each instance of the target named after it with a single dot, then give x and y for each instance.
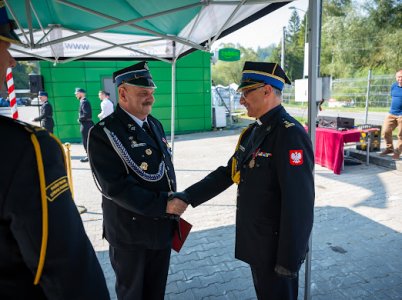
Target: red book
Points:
(180, 234)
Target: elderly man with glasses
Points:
(273, 168)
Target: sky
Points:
(266, 30)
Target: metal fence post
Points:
(367, 95)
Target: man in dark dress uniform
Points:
(84, 117)
(44, 251)
(273, 167)
(132, 163)
(46, 112)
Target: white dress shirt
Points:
(106, 108)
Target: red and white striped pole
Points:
(11, 94)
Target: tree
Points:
(225, 73)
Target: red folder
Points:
(180, 234)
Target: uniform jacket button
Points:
(134, 218)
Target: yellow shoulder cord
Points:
(45, 224)
(235, 172)
(61, 148)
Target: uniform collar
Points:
(136, 120)
(270, 117)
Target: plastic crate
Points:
(375, 138)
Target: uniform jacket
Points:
(85, 112)
(275, 196)
(135, 174)
(71, 269)
(46, 116)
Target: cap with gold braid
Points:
(137, 75)
(7, 26)
(255, 73)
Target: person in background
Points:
(106, 105)
(394, 119)
(84, 118)
(44, 250)
(131, 160)
(46, 112)
(273, 167)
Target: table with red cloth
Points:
(329, 144)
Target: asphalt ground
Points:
(357, 241)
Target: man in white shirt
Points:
(106, 105)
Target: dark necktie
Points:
(147, 129)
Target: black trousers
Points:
(140, 273)
(269, 286)
(84, 128)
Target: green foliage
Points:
(225, 73)
(355, 36)
(21, 74)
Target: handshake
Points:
(177, 203)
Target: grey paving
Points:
(357, 241)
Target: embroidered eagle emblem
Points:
(296, 157)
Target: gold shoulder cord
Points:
(45, 216)
(61, 148)
(235, 172)
(45, 224)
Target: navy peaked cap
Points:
(42, 93)
(255, 73)
(7, 26)
(138, 75)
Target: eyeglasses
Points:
(247, 92)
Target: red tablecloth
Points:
(329, 144)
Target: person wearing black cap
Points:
(131, 160)
(46, 112)
(273, 168)
(44, 251)
(84, 118)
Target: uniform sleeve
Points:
(86, 111)
(42, 114)
(117, 182)
(295, 164)
(210, 186)
(71, 269)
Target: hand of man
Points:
(176, 206)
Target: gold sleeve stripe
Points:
(56, 188)
(45, 224)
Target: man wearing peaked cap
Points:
(131, 160)
(44, 250)
(84, 117)
(273, 168)
(137, 75)
(46, 112)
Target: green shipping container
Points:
(193, 92)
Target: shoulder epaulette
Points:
(23, 125)
(288, 124)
